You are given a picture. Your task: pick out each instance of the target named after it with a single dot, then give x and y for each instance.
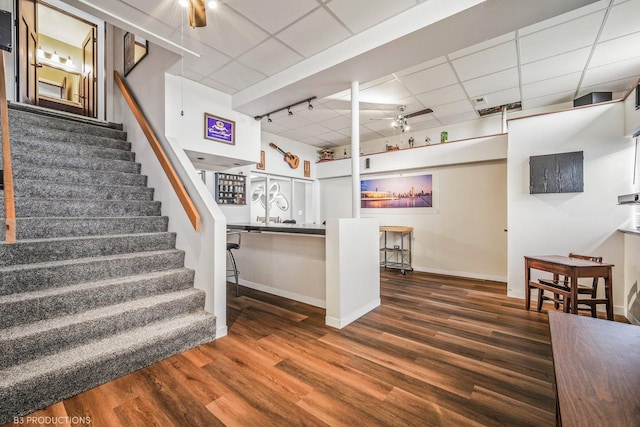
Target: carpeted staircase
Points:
(94, 287)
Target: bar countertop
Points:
(314, 229)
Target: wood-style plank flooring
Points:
(438, 351)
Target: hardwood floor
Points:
(438, 351)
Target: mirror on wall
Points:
(135, 49)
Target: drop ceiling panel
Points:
(210, 61)
(237, 75)
(502, 97)
(615, 50)
(610, 72)
(270, 57)
(492, 83)
(274, 15)
(229, 32)
(618, 23)
(544, 101)
(167, 11)
(314, 33)
(359, 15)
(443, 95)
(551, 86)
(562, 38)
(421, 67)
(430, 79)
(455, 108)
(487, 61)
(483, 46)
(384, 93)
(340, 122)
(554, 66)
(566, 17)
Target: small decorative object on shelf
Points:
(427, 140)
(345, 153)
(411, 142)
(392, 147)
(444, 136)
(231, 189)
(326, 154)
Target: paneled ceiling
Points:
(453, 57)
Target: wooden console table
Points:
(573, 268)
(597, 368)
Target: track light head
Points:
(310, 107)
(289, 110)
(269, 119)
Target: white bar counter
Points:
(336, 268)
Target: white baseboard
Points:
(344, 321)
(286, 294)
(461, 274)
(222, 332)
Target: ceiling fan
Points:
(400, 120)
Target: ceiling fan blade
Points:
(419, 113)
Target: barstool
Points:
(233, 272)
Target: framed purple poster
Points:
(219, 129)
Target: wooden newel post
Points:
(9, 203)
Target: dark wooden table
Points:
(574, 268)
(597, 368)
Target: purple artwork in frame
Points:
(219, 129)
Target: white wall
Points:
(584, 222)
(274, 165)
(205, 251)
(194, 100)
(464, 234)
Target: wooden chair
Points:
(561, 291)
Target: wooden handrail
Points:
(176, 183)
(9, 202)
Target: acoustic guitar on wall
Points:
(292, 160)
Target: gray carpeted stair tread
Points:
(94, 288)
(44, 159)
(75, 175)
(43, 275)
(36, 116)
(39, 383)
(63, 190)
(53, 227)
(28, 207)
(48, 336)
(33, 135)
(70, 149)
(25, 307)
(30, 251)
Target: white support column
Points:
(355, 149)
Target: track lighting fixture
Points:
(288, 108)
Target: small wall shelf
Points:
(231, 189)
